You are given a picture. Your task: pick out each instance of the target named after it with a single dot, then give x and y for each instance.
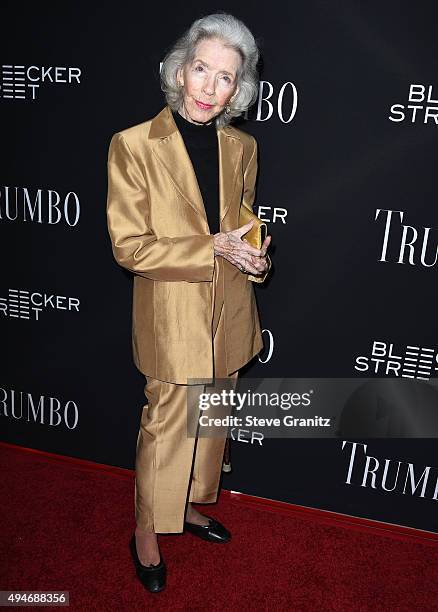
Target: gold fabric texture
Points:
(158, 230)
(171, 467)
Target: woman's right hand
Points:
(239, 252)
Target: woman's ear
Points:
(179, 77)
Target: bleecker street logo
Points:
(23, 82)
(422, 107)
(415, 361)
(23, 304)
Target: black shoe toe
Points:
(213, 532)
(153, 577)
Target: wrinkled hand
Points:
(239, 252)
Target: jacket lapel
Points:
(171, 151)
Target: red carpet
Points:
(66, 526)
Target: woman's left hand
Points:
(262, 257)
(240, 252)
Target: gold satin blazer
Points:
(159, 231)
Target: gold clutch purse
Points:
(259, 230)
(255, 237)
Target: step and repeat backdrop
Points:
(346, 122)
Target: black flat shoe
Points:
(213, 532)
(153, 577)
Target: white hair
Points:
(234, 34)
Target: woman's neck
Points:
(192, 127)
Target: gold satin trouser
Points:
(170, 467)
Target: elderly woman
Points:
(176, 184)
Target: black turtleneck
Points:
(202, 146)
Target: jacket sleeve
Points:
(134, 245)
(249, 182)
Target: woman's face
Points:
(209, 81)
